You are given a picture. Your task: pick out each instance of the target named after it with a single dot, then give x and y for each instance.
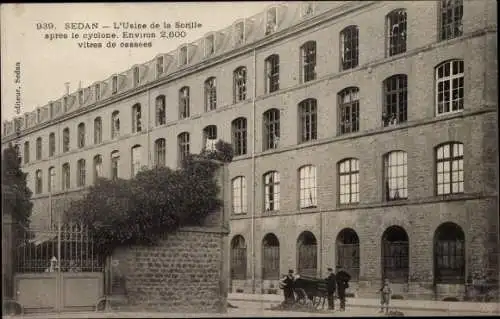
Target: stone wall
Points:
(184, 273)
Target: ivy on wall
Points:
(157, 201)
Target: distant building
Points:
(364, 136)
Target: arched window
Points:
(395, 249)
(160, 152)
(39, 148)
(97, 130)
(210, 138)
(271, 191)
(115, 124)
(210, 94)
(348, 181)
(396, 175)
(450, 168)
(307, 182)
(307, 254)
(238, 258)
(97, 167)
(66, 182)
(52, 179)
(396, 32)
(115, 163)
(80, 181)
(136, 118)
(52, 144)
(26, 150)
(349, 47)
(271, 129)
(161, 113)
(308, 120)
(66, 139)
(81, 135)
(240, 84)
(38, 181)
(239, 198)
(270, 257)
(396, 100)
(239, 136)
(348, 252)
(451, 25)
(184, 103)
(348, 100)
(308, 61)
(183, 146)
(272, 73)
(449, 254)
(450, 87)
(136, 159)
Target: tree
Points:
(16, 203)
(155, 202)
(16, 196)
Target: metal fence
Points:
(308, 260)
(271, 262)
(395, 261)
(68, 249)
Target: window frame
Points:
(81, 135)
(136, 118)
(397, 43)
(160, 152)
(184, 102)
(52, 179)
(353, 107)
(456, 25)
(97, 167)
(308, 173)
(391, 160)
(38, 152)
(460, 86)
(239, 84)
(395, 86)
(308, 61)
(81, 173)
(349, 172)
(272, 73)
(239, 136)
(38, 181)
(459, 159)
(66, 176)
(210, 89)
(349, 35)
(183, 146)
(239, 203)
(26, 152)
(97, 130)
(308, 120)
(271, 128)
(66, 140)
(52, 144)
(160, 110)
(209, 132)
(271, 183)
(115, 124)
(136, 164)
(115, 164)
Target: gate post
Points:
(7, 257)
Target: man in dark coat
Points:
(331, 284)
(288, 287)
(342, 278)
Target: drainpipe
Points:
(253, 167)
(148, 128)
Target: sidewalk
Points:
(424, 305)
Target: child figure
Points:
(385, 296)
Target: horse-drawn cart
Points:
(309, 292)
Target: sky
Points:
(42, 66)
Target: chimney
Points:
(67, 87)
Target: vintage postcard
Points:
(301, 158)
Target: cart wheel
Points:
(101, 305)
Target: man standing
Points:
(330, 288)
(288, 288)
(342, 284)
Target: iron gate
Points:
(58, 269)
(348, 258)
(308, 260)
(395, 261)
(271, 262)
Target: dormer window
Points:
(51, 110)
(183, 55)
(65, 103)
(159, 66)
(136, 76)
(38, 115)
(239, 33)
(97, 89)
(271, 20)
(114, 84)
(209, 45)
(80, 97)
(307, 9)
